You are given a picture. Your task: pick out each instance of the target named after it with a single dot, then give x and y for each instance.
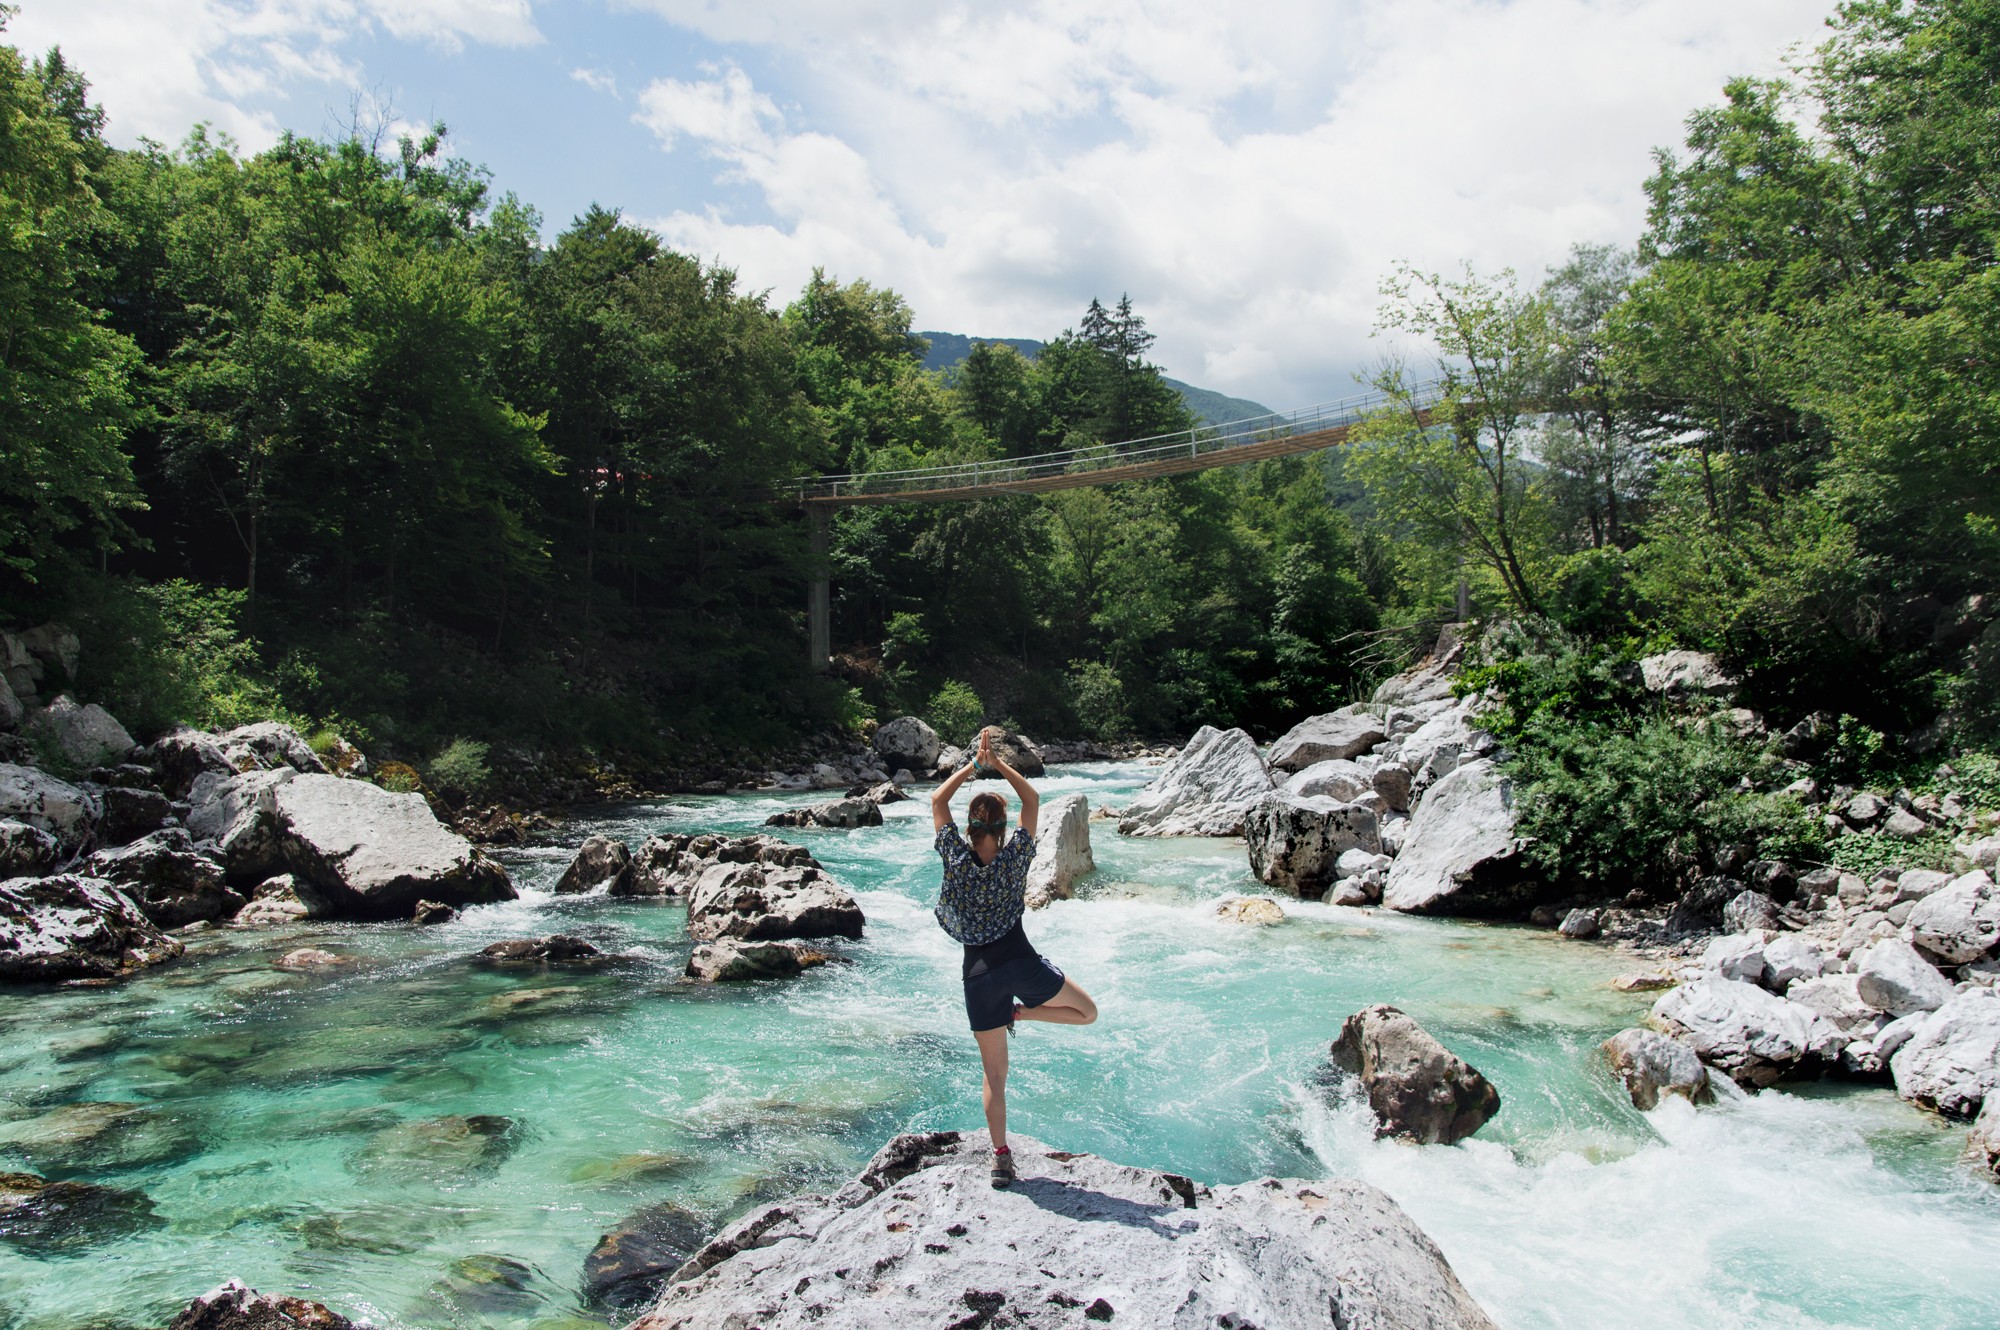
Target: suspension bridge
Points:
(1280, 434)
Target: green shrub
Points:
(398, 778)
(460, 768)
(1975, 778)
(1097, 695)
(173, 654)
(956, 712)
(1865, 856)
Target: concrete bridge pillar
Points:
(819, 600)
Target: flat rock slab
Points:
(1335, 736)
(74, 927)
(362, 852)
(921, 1239)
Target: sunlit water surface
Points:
(293, 1139)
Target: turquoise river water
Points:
(290, 1132)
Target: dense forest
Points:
(333, 432)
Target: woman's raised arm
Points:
(941, 797)
(1031, 802)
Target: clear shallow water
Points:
(309, 1132)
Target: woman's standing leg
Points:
(993, 1095)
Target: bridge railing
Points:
(1203, 440)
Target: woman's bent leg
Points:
(993, 1095)
(1070, 1006)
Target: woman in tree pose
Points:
(980, 904)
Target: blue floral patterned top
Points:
(978, 902)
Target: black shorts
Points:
(989, 997)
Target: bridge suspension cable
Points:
(1279, 434)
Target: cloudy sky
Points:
(1248, 178)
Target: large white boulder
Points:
(1334, 736)
(1756, 1037)
(1296, 842)
(920, 1239)
(1459, 854)
(86, 735)
(1337, 778)
(1685, 673)
(355, 850)
(908, 742)
(266, 744)
(1892, 977)
(1651, 1064)
(74, 927)
(1062, 850)
(1205, 790)
(65, 811)
(1960, 922)
(758, 903)
(1951, 1061)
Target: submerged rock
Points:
(1260, 911)
(1419, 1090)
(555, 947)
(444, 1149)
(602, 863)
(1335, 736)
(841, 814)
(919, 1239)
(734, 960)
(757, 903)
(168, 878)
(100, 1136)
(275, 901)
(237, 1306)
(1651, 1064)
(1460, 855)
(1984, 1139)
(1206, 790)
(1062, 850)
(47, 1219)
(74, 927)
(631, 1263)
(427, 913)
(1296, 842)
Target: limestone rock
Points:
(1430, 679)
(734, 960)
(237, 1306)
(1077, 1241)
(1837, 997)
(1642, 982)
(310, 958)
(1952, 1060)
(1019, 752)
(1916, 883)
(1960, 922)
(841, 813)
(356, 850)
(753, 902)
(266, 745)
(1336, 735)
(908, 742)
(131, 813)
(1205, 790)
(184, 757)
(1750, 909)
(1062, 850)
(1686, 673)
(1892, 977)
(1418, 1089)
(86, 736)
(885, 792)
(1790, 958)
(602, 863)
(12, 708)
(1260, 911)
(67, 812)
(1393, 783)
(1757, 1038)
(427, 913)
(1581, 925)
(1296, 842)
(47, 1220)
(1336, 778)
(171, 881)
(74, 927)
(26, 851)
(671, 865)
(1460, 855)
(1738, 956)
(1984, 1139)
(1651, 1065)
(274, 902)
